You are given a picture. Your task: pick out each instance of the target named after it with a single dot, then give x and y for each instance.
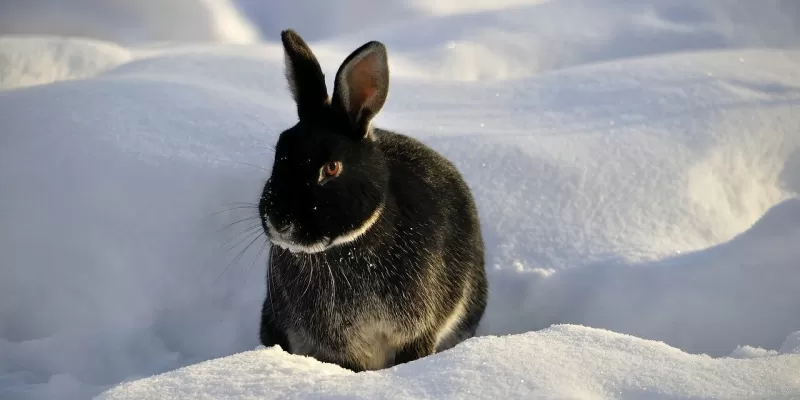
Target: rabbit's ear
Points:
(362, 85)
(306, 80)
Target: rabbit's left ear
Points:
(362, 85)
(306, 80)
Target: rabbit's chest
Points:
(360, 313)
(369, 338)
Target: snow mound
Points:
(751, 352)
(129, 21)
(449, 7)
(563, 361)
(319, 20)
(707, 301)
(652, 192)
(791, 345)
(29, 61)
(468, 41)
(589, 181)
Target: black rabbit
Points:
(377, 257)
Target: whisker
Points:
(243, 231)
(262, 246)
(333, 286)
(269, 279)
(250, 218)
(241, 203)
(239, 162)
(253, 207)
(253, 165)
(310, 279)
(249, 232)
(301, 272)
(238, 257)
(262, 141)
(344, 274)
(242, 236)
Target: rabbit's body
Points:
(384, 268)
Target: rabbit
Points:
(376, 256)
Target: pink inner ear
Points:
(361, 82)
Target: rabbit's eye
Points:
(332, 168)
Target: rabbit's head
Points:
(329, 180)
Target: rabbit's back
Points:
(431, 191)
(438, 213)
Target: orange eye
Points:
(332, 168)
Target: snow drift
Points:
(129, 21)
(30, 61)
(558, 362)
(654, 196)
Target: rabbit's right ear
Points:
(362, 86)
(306, 80)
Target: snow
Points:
(792, 344)
(544, 364)
(129, 21)
(636, 167)
(30, 61)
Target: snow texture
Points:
(129, 21)
(544, 364)
(636, 167)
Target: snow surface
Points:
(129, 21)
(534, 365)
(29, 61)
(636, 167)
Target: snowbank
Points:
(565, 362)
(652, 193)
(129, 21)
(29, 61)
(511, 39)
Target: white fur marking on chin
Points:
(299, 248)
(358, 232)
(278, 240)
(325, 243)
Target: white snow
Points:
(636, 166)
(544, 364)
(129, 21)
(30, 61)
